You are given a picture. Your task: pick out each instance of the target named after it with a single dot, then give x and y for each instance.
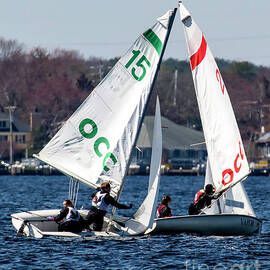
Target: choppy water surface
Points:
(189, 252)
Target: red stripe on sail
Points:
(197, 57)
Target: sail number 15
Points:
(140, 67)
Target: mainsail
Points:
(96, 142)
(223, 141)
(227, 163)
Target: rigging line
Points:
(32, 220)
(71, 191)
(71, 187)
(74, 190)
(77, 193)
(31, 213)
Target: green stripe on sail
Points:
(154, 40)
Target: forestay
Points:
(95, 143)
(224, 144)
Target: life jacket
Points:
(159, 210)
(73, 214)
(198, 195)
(98, 201)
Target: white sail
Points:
(144, 217)
(235, 201)
(215, 208)
(224, 144)
(96, 141)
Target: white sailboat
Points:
(227, 163)
(95, 143)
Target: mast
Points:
(150, 92)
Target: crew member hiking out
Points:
(202, 199)
(69, 218)
(164, 209)
(101, 200)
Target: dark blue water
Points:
(148, 252)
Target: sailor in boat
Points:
(69, 218)
(164, 209)
(101, 200)
(202, 199)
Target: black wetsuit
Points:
(203, 201)
(70, 225)
(96, 216)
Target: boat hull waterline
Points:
(221, 224)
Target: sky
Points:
(234, 29)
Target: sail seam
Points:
(105, 103)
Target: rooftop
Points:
(173, 136)
(264, 138)
(17, 124)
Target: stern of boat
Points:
(223, 224)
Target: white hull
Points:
(35, 224)
(223, 224)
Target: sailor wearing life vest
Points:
(101, 199)
(69, 219)
(202, 199)
(164, 209)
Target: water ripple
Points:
(181, 251)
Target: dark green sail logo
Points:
(98, 141)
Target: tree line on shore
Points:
(54, 83)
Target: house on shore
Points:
(20, 137)
(262, 147)
(178, 145)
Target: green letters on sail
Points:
(96, 141)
